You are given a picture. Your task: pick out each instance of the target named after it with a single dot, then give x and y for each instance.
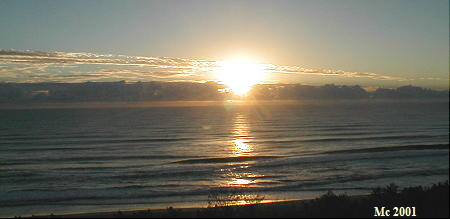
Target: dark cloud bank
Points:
(159, 91)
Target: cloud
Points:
(27, 65)
(433, 78)
(165, 74)
(38, 57)
(325, 72)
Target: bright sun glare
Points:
(240, 75)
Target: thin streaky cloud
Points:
(26, 65)
(325, 72)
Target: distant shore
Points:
(421, 201)
(191, 103)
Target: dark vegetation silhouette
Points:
(161, 91)
(429, 201)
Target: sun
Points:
(240, 75)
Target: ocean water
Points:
(82, 159)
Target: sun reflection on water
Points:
(241, 146)
(241, 182)
(240, 142)
(238, 176)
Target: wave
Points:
(97, 195)
(391, 137)
(393, 148)
(45, 137)
(324, 158)
(89, 158)
(164, 174)
(130, 193)
(311, 185)
(98, 141)
(225, 159)
(25, 149)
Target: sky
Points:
(370, 43)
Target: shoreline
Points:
(163, 211)
(432, 201)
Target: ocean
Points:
(105, 158)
